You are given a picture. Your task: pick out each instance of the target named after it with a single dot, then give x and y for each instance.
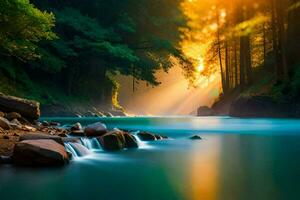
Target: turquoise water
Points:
(238, 159)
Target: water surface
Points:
(238, 159)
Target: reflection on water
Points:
(203, 176)
(252, 159)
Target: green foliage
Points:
(22, 26)
(93, 42)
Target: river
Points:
(238, 159)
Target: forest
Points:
(71, 51)
(252, 44)
(61, 52)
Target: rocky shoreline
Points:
(258, 106)
(28, 142)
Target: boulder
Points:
(130, 141)
(2, 114)
(261, 106)
(95, 130)
(41, 136)
(79, 149)
(13, 115)
(145, 136)
(79, 133)
(196, 137)
(39, 153)
(76, 127)
(27, 108)
(111, 142)
(4, 123)
(205, 111)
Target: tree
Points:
(22, 27)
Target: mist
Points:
(172, 97)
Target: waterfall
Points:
(83, 148)
(77, 149)
(91, 143)
(142, 144)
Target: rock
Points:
(108, 114)
(118, 113)
(130, 141)
(79, 149)
(62, 135)
(261, 106)
(79, 133)
(16, 135)
(54, 124)
(39, 153)
(76, 127)
(4, 123)
(158, 137)
(2, 114)
(164, 137)
(27, 108)
(6, 137)
(16, 122)
(73, 140)
(111, 142)
(13, 115)
(29, 128)
(45, 123)
(145, 136)
(196, 137)
(41, 136)
(205, 111)
(5, 160)
(95, 130)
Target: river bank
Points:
(27, 141)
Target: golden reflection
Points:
(204, 167)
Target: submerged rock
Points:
(39, 153)
(196, 137)
(40, 136)
(4, 123)
(145, 136)
(95, 130)
(2, 114)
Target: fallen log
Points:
(27, 108)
